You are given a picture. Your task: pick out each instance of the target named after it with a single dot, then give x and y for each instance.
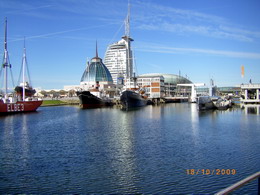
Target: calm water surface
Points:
(104, 151)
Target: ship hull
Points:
(205, 103)
(131, 99)
(19, 106)
(88, 100)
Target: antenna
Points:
(24, 42)
(128, 39)
(5, 34)
(127, 21)
(96, 50)
(24, 48)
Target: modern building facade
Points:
(158, 85)
(119, 60)
(250, 93)
(153, 85)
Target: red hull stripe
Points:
(19, 106)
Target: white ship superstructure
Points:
(118, 58)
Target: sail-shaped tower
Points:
(119, 58)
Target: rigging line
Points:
(28, 73)
(26, 66)
(9, 66)
(12, 78)
(20, 74)
(2, 80)
(135, 66)
(110, 42)
(19, 78)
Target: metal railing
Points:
(241, 183)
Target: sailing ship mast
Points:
(6, 63)
(23, 67)
(128, 40)
(15, 105)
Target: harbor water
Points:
(168, 149)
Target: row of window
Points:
(149, 79)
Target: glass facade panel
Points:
(96, 71)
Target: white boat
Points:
(222, 104)
(213, 102)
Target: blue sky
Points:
(201, 39)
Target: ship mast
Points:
(127, 22)
(23, 67)
(5, 62)
(128, 40)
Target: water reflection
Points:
(123, 163)
(110, 135)
(24, 140)
(194, 122)
(8, 139)
(154, 112)
(251, 109)
(194, 117)
(109, 151)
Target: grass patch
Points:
(52, 102)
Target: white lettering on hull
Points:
(15, 107)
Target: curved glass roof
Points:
(96, 71)
(169, 78)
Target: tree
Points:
(71, 93)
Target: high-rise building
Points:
(119, 58)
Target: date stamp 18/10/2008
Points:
(211, 171)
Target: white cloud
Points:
(155, 17)
(175, 50)
(26, 8)
(63, 32)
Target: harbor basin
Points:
(167, 149)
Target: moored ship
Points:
(205, 103)
(16, 102)
(28, 90)
(131, 96)
(132, 99)
(88, 100)
(213, 102)
(9, 106)
(97, 85)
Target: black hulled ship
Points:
(132, 99)
(29, 91)
(88, 100)
(131, 96)
(97, 85)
